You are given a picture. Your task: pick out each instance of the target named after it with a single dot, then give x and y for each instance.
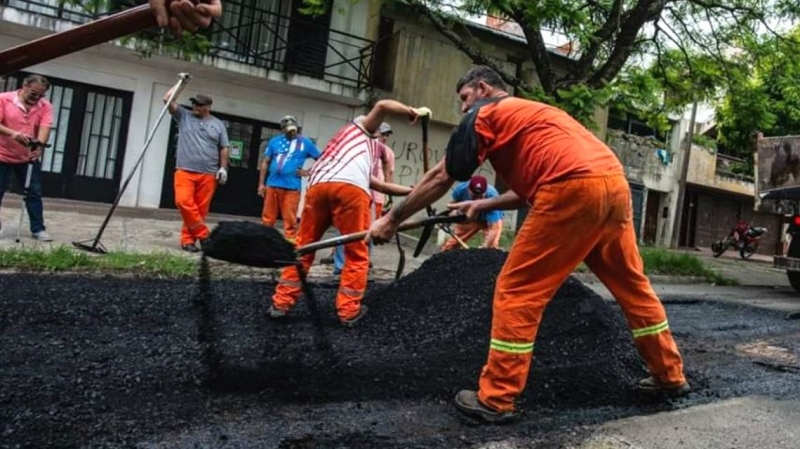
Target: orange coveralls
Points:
(193, 194)
(581, 210)
(286, 202)
(346, 207)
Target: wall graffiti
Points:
(409, 161)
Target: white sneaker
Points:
(42, 236)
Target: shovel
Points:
(256, 245)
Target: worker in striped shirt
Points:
(339, 195)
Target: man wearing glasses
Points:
(25, 117)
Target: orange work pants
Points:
(346, 207)
(283, 201)
(465, 231)
(193, 193)
(586, 219)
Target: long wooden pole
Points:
(60, 44)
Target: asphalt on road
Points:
(115, 362)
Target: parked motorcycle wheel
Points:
(719, 247)
(748, 250)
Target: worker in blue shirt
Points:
(280, 186)
(491, 222)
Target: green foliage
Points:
(66, 259)
(189, 46)
(767, 100)
(704, 141)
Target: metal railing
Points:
(251, 32)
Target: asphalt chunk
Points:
(248, 243)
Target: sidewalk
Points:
(137, 230)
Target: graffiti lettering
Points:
(409, 162)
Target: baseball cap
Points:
(477, 185)
(289, 123)
(385, 128)
(201, 99)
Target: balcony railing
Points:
(252, 33)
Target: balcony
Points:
(267, 34)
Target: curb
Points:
(656, 279)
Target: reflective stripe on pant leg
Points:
(351, 214)
(316, 220)
(617, 263)
(535, 268)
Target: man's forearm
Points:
(388, 188)
(44, 134)
(433, 185)
(507, 201)
(6, 131)
(224, 156)
(262, 172)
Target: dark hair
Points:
(481, 73)
(36, 79)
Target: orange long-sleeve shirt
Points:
(529, 144)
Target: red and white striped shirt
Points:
(346, 158)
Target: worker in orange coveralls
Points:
(490, 222)
(201, 162)
(339, 195)
(284, 157)
(580, 211)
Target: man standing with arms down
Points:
(580, 211)
(339, 195)
(201, 163)
(25, 116)
(284, 156)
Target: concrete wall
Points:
(321, 113)
(703, 171)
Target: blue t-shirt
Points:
(286, 157)
(461, 193)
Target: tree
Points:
(767, 100)
(687, 40)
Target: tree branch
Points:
(538, 51)
(644, 11)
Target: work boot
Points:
(276, 314)
(203, 244)
(467, 402)
(651, 386)
(42, 236)
(352, 321)
(189, 248)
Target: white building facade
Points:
(266, 61)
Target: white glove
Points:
(222, 176)
(422, 112)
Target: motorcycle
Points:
(743, 239)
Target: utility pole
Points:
(676, 228)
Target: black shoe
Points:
(203, 244)
(467, 402)
(651, 386)
(352, 321)
(190, 248)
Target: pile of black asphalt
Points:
(121, 362)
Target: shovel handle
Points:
(349, 238)
(60, 44)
